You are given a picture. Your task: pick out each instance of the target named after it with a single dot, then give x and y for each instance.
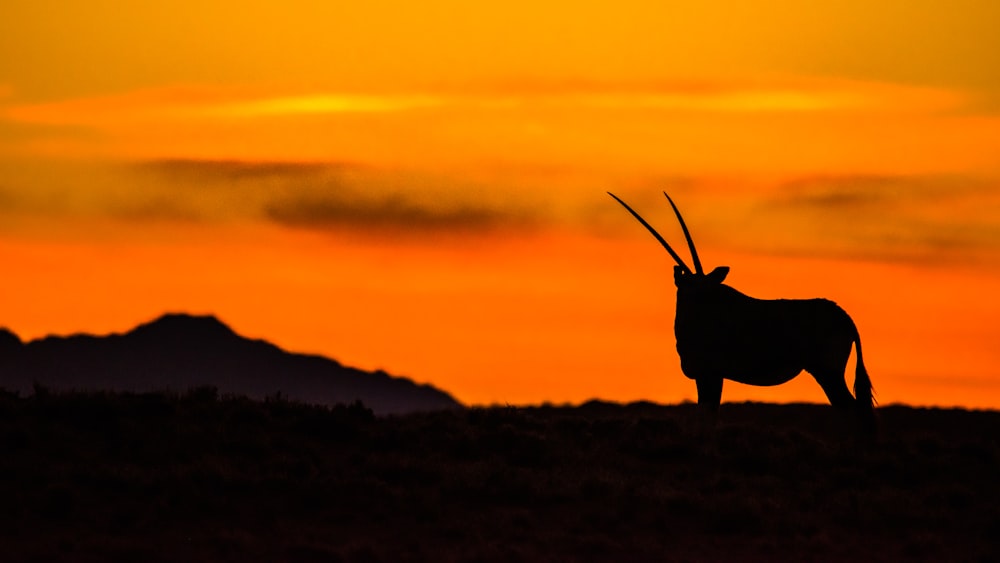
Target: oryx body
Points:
(725, 334)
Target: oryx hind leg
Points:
(828, 369)
(836, 390)
(855, 413)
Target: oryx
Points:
(724, 334)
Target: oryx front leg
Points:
(709, 398)
(709, 393)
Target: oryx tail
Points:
(864, 392)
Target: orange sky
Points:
(421, 187)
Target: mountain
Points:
(179, 351)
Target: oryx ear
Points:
(718, 274)
(678, 274)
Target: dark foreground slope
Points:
(199, 478)
(182, 351)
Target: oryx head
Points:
(684, 277)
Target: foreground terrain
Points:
(196, 476)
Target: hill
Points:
(180, 351)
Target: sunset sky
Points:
(420, 187)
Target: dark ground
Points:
(196, 477)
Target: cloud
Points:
(183, 104)
(787, 96)
(340, 197)
(395, 212)
(669, 127)
(923, 219)
(23, 139)
(319, 104)
(370, 202)
(322, 197)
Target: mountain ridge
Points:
(177, 351)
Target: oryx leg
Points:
(829, 373)
(709, 398)
(836, 390)
(855, 414)
(709, 393)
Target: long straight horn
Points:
(687, 235)
(676, 257)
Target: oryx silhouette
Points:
(724, 334)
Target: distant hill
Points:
(179, 351)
